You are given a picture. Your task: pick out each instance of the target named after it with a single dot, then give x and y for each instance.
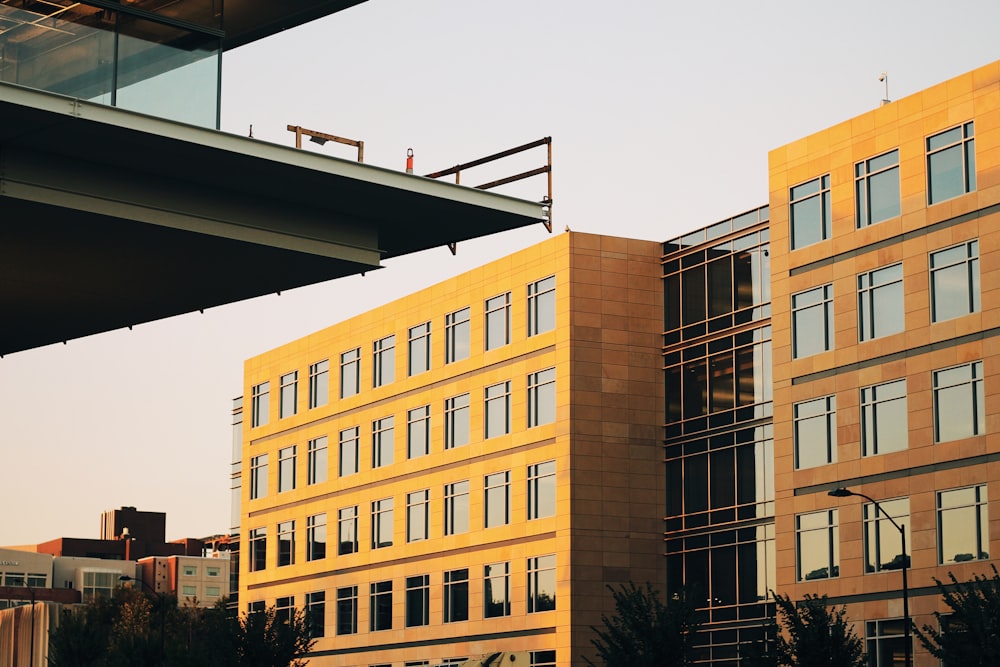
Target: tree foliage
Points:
(645, 632)
(970, 634)
(813, 635)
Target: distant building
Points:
(192, 579)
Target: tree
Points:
(813, 635)
(970, 634)
(645, 632)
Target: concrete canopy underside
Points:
(110, 218)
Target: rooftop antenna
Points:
(884, 78)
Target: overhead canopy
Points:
(249, 20)
(109, 218)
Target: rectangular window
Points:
(497, 506)
(456, 596)
(883, 418)
(418, 515)
(541, 397)
(809, 205)
(383, 361)
(541, 490)
(212, 571)
(347, 610)
(189, 591)
(383, 441)
(542, 659)
(418, 432)
(496, 590)
(817, 545)
(497, 421)
(959, 406)
(189, 571)
(542, 306)
(418, 601)
(815, 432)
(260, 403)
(885, 642)
(316, 613)
(258, 549)
(317, 464)
(541, 584)
(284, 609)
(319, 383)
(380, 604)
(951, 163)
(289, 394)
(258, 476)
(316, 537)
(955, 281)
(812, 321)
(382, 523)
(349, 451)
(963, 525)
(286, 469)
(213, 592)
(456, 335)
(286, 543)
(498, 321)
(347, 530)
(98, 584)
(456, 421)
(255, 607)
(880, 302)
(883, 543)
(456, 508)
(876, 188)
(419, 344)
(350, 372)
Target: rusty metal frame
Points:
(322, 137)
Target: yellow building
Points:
(464, 470)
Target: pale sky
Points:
(661, 113)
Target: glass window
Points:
(316, 613)
(380, 606)
(542, 306)
(497, 421)
(189, 591)
(96, 584)
(258, 549)
(347, 530)
(418, 600)
(384, 361)
(542, 397)
(383, 441)
(885, 642)
(955, 281)
(350, 372)
(880, 302)
(284, 608)
(382, 523)
(418, 515)
(959, 406)
(815, 432)
(316, 537)
(212, 571)
(951, 163)
(418, 432)
(456, 508)
(456, 596)
(810, 212)
(286, 469)
(213, 592)
(260, 403)
(456, 421)
(963, 525)
(541, 584)
(258, 476)
(812, 321)
(255, 607)
(317, 464)
(347, 610)
(498, 321)
(883, 418)
(286, 543)
(496, 590)
(876, 188)
(497, 510)
(419, 343)
(319, 383)
(289, 394)
(189, 571)
(39, 580)
(883, 542)
(456, 334)
(817, 543)
(543, 659)
(542, 490)
(349, 451)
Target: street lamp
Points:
(163, 610)
(842, 492)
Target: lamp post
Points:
(842, 492)
(163, 610)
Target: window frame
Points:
(347, 527)
(867, 172)
(457, 330)
(258, 476)
(826, 412)
(802, 195)
(541, 476)
(260, 404)
(350, 368)
(870, 403)
(418, 347)
(819, 297)
(316, 537)
(417, 612)
(257, 541)
(456, 595)
(453, 495)
(541, 393)
(380, 606)
(382, 517)
(976, 398)
(874, 521)
(347, 610)
(456, 412)
(965, 144)
(538, 568)
(496, 490)
(287, 468)
(828, 524)
(488, 587)
(542, 306)
(972, 281)
(418, 515)
(317, 460)
(496, 399)
(383, 441)
(316, 613)
(345, 439)
(875, 299)
(496, 310)
(319, 384)
(979, 508)
(286, 543)
(288, 395)
(418, 432)
(384, 361)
